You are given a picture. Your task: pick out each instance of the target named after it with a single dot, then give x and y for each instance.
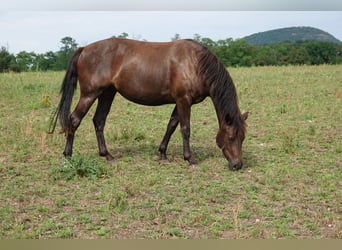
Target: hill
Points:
(292, 34)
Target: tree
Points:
(282, 52)
(240, 53)
(176, 37)
(221, 49)
(69, 44)
(321, 52)
(226, 42)
(47, 61)
(208, 42)
(298, 56)
(5, 59)
(265, 55)
(26, 60)
(197, 38)
(122, 35)
(338, 54)
(64, 54)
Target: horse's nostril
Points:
(235, 166)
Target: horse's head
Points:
(229, 139)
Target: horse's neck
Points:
(224, 104)
(219, 112)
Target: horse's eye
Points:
(230, 139)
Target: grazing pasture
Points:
(290, 186)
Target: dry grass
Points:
(289, 188)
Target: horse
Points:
(181, 72)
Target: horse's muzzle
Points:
(235, 165)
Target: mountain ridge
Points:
(291, 34)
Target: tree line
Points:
(31, 61)
(236, 53)
(232, 53)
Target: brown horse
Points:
(181, 72)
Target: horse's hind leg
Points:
(173, 122)
(104, 103)
(76, 117)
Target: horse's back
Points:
(151, 73)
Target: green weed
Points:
(312, 130)
(78, 166)
(118, 201)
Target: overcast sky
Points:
(40, 30)
(172, 5)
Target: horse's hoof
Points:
(163, 160)
(162, 157)
(109, 158)
(192, 161)
(193, 166)
(67, 154)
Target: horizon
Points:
(143, 39)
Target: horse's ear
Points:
(244, 116)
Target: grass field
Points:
(290, 186)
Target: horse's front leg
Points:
(184, 110)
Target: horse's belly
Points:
(150, 98)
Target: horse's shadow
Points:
(175, 153)
(202, 153)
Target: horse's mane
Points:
(222, 89)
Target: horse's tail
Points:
(67, 90)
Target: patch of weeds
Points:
(312, 129)
(103, 231)
(244, 214)
(276, 196)
(257, 231)
(40, 191)
(128, 134)
(132, 189)
(79, 166)
(282, 109)
(220, 225)
(61, 202)
(46, 101)
(65, 233)
(204, 167)
(252, 191)
(283, 230)
(288, 142)
(268, 213)
(154, 179)
(42, 209)
(200, 218)
(175, 232)
(118, 201)
(46, 226)
(84, 218)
